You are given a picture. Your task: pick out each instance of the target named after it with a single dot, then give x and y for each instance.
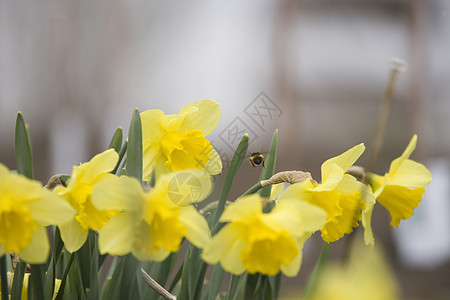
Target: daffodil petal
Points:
(242, 209)
(151, 124)
(101, 163)
(334, 177)
(37, 252)
(400, 202)
(152, 159)
(22, 189)
(197, 230)
(118, 193)
(344, 161)
(366, 222)
(214, 164)
(405, 155)
(51, 209)
(301, 191)
(276, 190)
(116, 237)
(349, 185)
(189, 186)
(226, 247)
(202, 114)
(410, 174)
(375, 181)
(293, 268)
(158, 256)
(297, 217)
(2, 250)
(72, 235)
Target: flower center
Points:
(267, 250)
(160, 229)
(188, 150)
(16, 228)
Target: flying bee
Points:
(257, 158)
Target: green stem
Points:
(4, 278)
(253, 189)
(317, 272)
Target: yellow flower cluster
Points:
(151, 222)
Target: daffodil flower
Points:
(177, 142)
(153, 223)
(256, 242)
(25, 209)
(339, 194)
(401, 189)
(366, 275)
(78, 193)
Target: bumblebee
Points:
(256, 158)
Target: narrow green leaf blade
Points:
(37, 281)
(50, 279)
(24, 157)
(16, 289)
(235, 164)
(4, 277)
(215, 283)
(134, 152)
(270, 163)
(116, 140)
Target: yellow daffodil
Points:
(177, 142)
(366, 276)
(339, 194)
(401, 189)
(152, 224)
(263, 243)
(78, 193)
(25, 209)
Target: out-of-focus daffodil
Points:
(25, 209)
(263, 243)
(401, 189)
(339, 194)
(177, 142)
(78, 193)
(366, 276)
(152, 224)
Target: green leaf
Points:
(24, 158)
(185, 292)
(50, 279)
(4, 277)
(176, 278)
(134, 152)
(116, 140)
(316, 274)
(61, 290)
(233, 286)
(37, 281)
(123, 281)
(16, 289)
(276, 285)
(215, 283)
(235, 164)
(121, 161)
(160, 273)
(270, 162)
(266, 289)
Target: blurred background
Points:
(316, 70)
